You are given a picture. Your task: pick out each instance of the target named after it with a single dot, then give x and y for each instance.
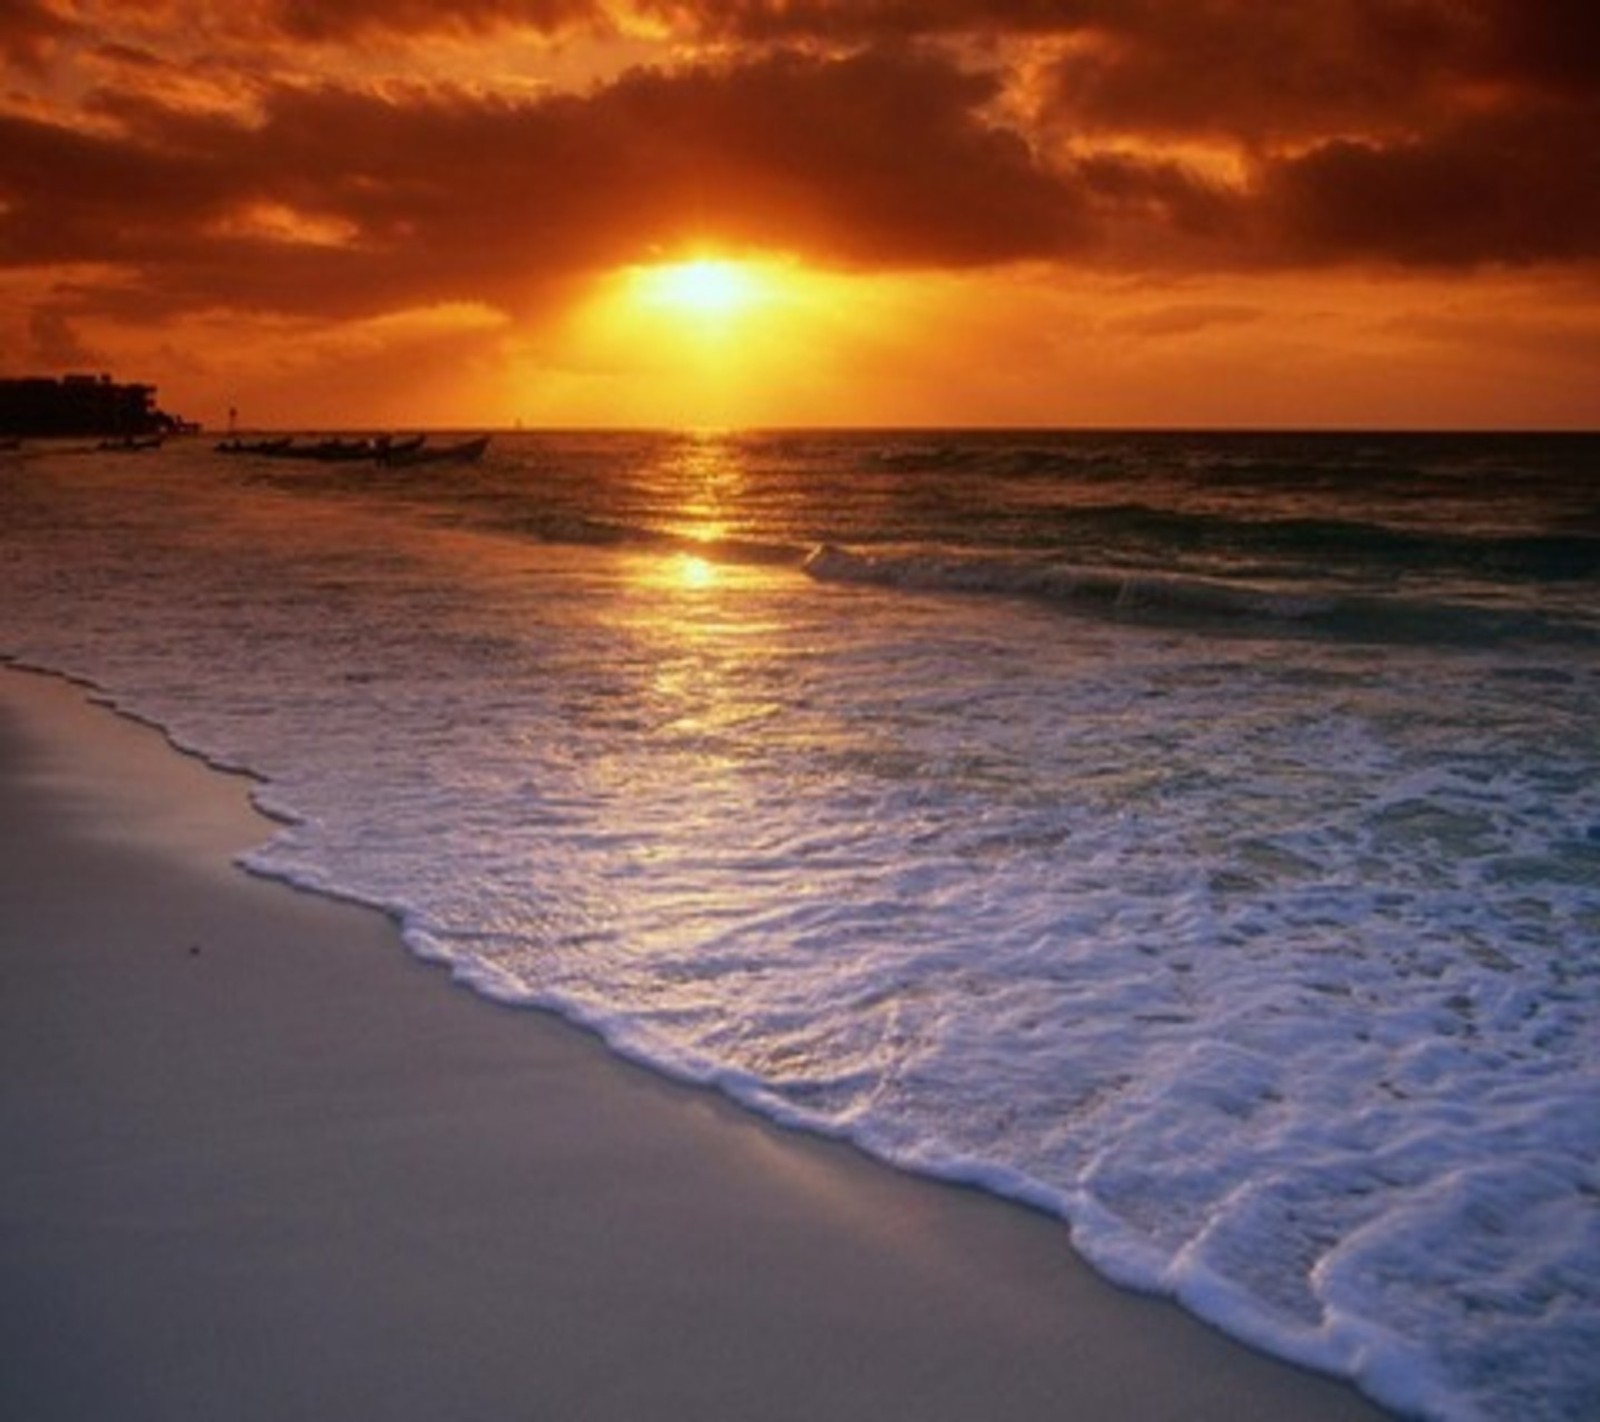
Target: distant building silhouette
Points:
(41, 406)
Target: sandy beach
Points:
(260, 1163)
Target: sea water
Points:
(1196, 836)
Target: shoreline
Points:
(263, 1162)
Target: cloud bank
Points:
(295, 158)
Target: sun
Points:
(694, 572)
(708, 337)
(705, 286)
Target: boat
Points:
(384, 449)
(127, 444)
(329, 451)
(467, 451)
(388, 448)
(255, 446)
(336, 451)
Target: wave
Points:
(1525, 557)
(1403, 467)
(1111, 533)
(1179, 598)
(1085, 458)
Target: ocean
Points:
(1195, 836)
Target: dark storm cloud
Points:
(340, 19)
(1164, 196)
(1417, 132)
(1250, 67)
(1550, 44)
(1403, 132)
(865, 21)
(879, 158)
(68, 196)
(875, 159)
(1253, 72)
(1516, 188)
(29, 32)
(1369, 131)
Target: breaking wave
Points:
(1178, 598)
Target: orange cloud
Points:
(318, 20)
(182, 160)
(1514, 187)
(875, 158)
(30, 30)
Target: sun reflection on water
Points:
(694, 572)
(708, 473)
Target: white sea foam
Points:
(1271, 968)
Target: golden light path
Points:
(694, 571)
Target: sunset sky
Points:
(895, 212)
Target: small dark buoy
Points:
(194, 950)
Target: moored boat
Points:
(388, 448)
(384, 449)
(255, 446)
(467, 451)
(337, 450)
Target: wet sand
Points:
(257, 1162)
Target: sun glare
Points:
(713, 341)
(707, 286)
(695, 572)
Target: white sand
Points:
(258, 1163)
